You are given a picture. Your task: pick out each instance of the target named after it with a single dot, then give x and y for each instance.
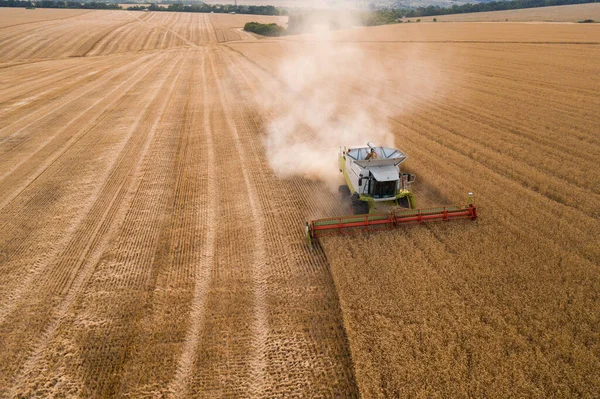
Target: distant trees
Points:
(296, 22)
(489, 6)
(137, 8)
(381, 17)
(264, 29)
(59, 4)
(201, 7)
(220, 9)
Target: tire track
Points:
(126, 280)
(260, 326)
(54, 39)
(41, 197)
(113, 32)
(180, 385)
(45, 20)
(54, 107)
(11, 301)
(52, 80)
(18, 183)
(89, 245)
(292, 261)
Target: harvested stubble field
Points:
(18, 16)
(149, 246)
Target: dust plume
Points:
(335, 96)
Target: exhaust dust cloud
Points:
(336, 96)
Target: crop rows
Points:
(147, 248)
(99, 33)
(508, 305)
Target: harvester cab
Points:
(379, 195)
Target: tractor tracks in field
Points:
(78, 261)
(180, 385)
(76, 222)
(61, 19)
(224, 350)
(60, 166)
(169, 248)
(53, 146)
(292, 271)
(28, 83)
(111, 32)
(62, 105)
(261, 318)
(260, 325)
(139, 258)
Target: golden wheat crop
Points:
(151, 246)
(507, 306)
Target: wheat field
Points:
(152, 224)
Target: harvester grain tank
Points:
(379, 195)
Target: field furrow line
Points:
(149, 38)
(491, 108)
(21, 184)
(166, 28)
(23, 243)
(180, 385)
(209, 29)
(54, 107)
(71, 235)
(15, 41)
(39, 97)
(575, 115)
(260, 325)
(115, 40)
(129, 273)
(111, 34)
(576, 148)
(24, 221)
(289, 202)
(575, 118)
(514, 71)
(52, 79)
(575, 196)
(52, 42)
(123, 167)
(61, 19)
(567, 231)
(91, 243)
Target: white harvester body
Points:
(374, 180)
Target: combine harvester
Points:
(380, 196)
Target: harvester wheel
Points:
(344, 192)
(404, 202)
(358, 207)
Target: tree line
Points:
(219, 9)
(202, 7)
(60, 4)
(366, 18)
(488, 6)
(265, 29)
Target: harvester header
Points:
(379, 196)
